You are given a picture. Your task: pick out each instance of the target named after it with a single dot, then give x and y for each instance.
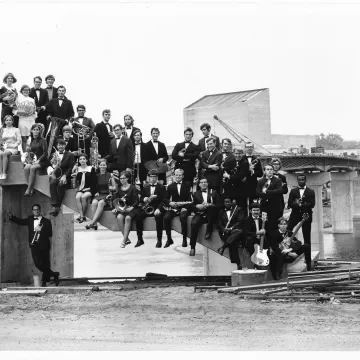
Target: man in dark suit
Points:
(152, 195)
(178, 191)
(255, 172)
(210, 163)
(235, 185)
(61, 176)
(276, 163)
(41, 99)
(205, 206)
(83, 120)
(185, 155)
(121, 155)
(71, 143)
(104, 131)
(140, 158)
(206, 130)
(129, 128)
(50, 88)
(230, 229)
(156, 150)
(269, 190)
(228, 161)
(301, 200)
(59, 107)
(40, 247)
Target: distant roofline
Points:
(228, 93)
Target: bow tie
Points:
(153, 185)
(206, 136)
(301, 188)
(178, 183)
(107, 124)
(81, 117)
(137, 143)
(36, 218)
(61, 99)
(155, 141)
(204, 191)
(256, 218)
(37, 89)
(187, 142)
(49, 87)
(128, 128)
(61, 152)
(118, 138)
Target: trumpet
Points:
(120, 205)
(255, 161)
(36, 236)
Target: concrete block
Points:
(248, 277)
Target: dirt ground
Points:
(173, 318)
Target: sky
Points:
(151, 60)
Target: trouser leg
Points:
(196, 223)
(169, 215)
(159, 220)
(42, 262)
(183, 220)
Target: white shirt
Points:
(138, 155)
(107, 125)
(302, 191)
(60, 102)
(128, 131)
(178, 187)
(257, 224)
(205, 196)
(186, 145)
(152, 189)
(118, 141)
(37, 222)
(156, 146)
(228, 213)
(61, 156)
(38, 93)
(249, 160)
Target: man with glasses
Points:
(104, 131)
(40, 232)
(50, 88)
(121, 154)
(83, 120)
(41, 99)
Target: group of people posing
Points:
(222, 186)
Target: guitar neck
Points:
(296, 229)
(262, 237)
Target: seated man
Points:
(229, 225)
(177, 202)
(62, 163)
(285, 249)
(205, 208)
(152, 196)
(253, 229)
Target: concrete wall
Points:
(291, 141)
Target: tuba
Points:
(55, 126)
(9, 98)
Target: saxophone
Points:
(178, 206)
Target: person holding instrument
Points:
(40, 232)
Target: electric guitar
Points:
(259, 257)
(288, 242)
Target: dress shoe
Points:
(158, 244)
(208, 235)
(168, 243)
(192, 252)
(56, 278)
(221, 250)
(127, 242)
(239, 267)
(184, 243)
(43, 284)
(139, 243)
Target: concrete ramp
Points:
(108, 220)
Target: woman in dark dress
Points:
(128, 193)
(276, 163)
(104, 183)
(36, 145)
(8, 95)
(86, 178)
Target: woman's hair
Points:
(103, 160)
(24, 87)
(40, 127)
(126, 173)
(85, 156)
(8, 117)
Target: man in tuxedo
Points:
(50, 88)
(284, 251)
(153, 195)
(206, 130)
(301, 201)
(255, 172)
(59, 107)
(104, 131)
(41, 99)
(70, 142)
(83, 120)
(276, 163)
(140, 157)
(178, 191)
(269, 190)
(210, 163)
(235, 185)
(121, 155)
(129, 129)
(156, 150)
(61, 176)
(205, 205)
(228, 163)
(185, 155)
(230, 229)
(40, 248)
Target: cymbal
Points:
(154, 165)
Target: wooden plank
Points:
(335, 271)
(23, 292)
(59, 289)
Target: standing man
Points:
(176, 193)
(40, 244)
(185, 155)
(140, 157)
(210, 162)
(206, 130)
(276, 163)
(41, 99)
(152, 195)
(156, 150)
(50, 88)
(83, 120)
(269, 190)
(60, 175)
(301, 201)
(129, 127)
(205, 205)
(121, 155)
(104, 131)
(255, 172)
